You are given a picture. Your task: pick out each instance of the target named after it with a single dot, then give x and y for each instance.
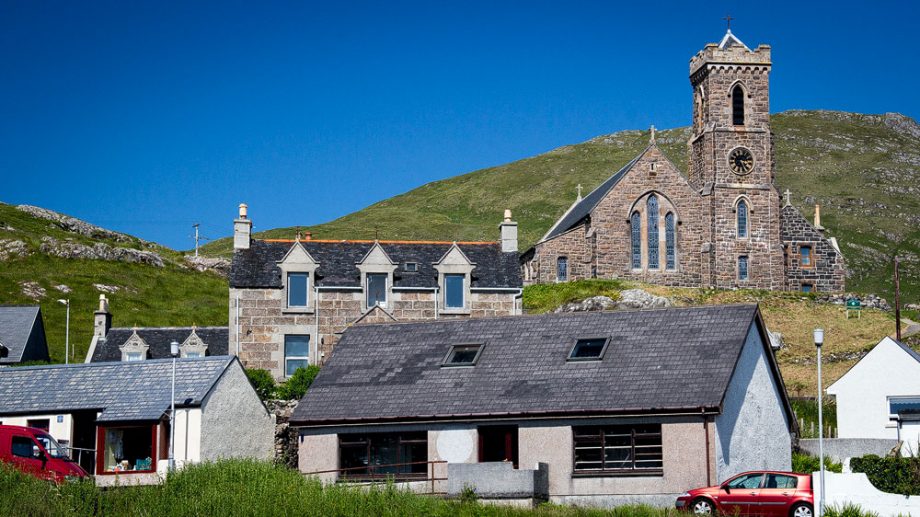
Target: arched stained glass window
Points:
(738, 105)
(670, 241)
(652, 212)
(635, 227)
(742, 219)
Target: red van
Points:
(35, 452)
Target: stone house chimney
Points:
(102, 318)
(242, 229)
(818, 218)
(509, 234)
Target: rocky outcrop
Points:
(74, 225)
(98, 251)
(215, 264)
(639, 299)
(12, 249)
(595, 303)
(32, 290)
(869, 301)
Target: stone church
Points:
(722, 225)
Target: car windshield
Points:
(54, 449)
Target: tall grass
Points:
(241, 487)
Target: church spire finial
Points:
(728, 21)
(788, 196)
(578, 188)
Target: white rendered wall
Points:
(862, 394)
(187, 447)
(752, 432)
(60, 431)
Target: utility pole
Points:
(196, 225)
(897, 300)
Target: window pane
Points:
(742, 219)
(806, 288)
(454, 291)
(22, 446)
(193, 355)
(781, 481)
(297, 290)
(805, 252)
(742, 268)
(903, 404)
(297, 345)
(670, 241)
(618, 448)
(376, 289)
(652, 232)
(354, 457)
(738, 106)
(587, 348)
(635, 226)
(562, 269)
(133, 356)
(747, 482)
(415, 453)
(291, 366)
(462, 355)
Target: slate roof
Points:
(795, 227)
(258, 266)
(123, 391)
(16, 326)
(678, 359)
(159, 339)
(583, 209)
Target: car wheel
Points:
(702, 507)
(802, 510)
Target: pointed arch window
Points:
(652, 212)
(670, 240)
(742, 214)
(738, 105)
(635, 224)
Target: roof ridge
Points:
(210, 358)
(189, 327)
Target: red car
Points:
(763, 493)
(35, 452)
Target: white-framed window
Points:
(296, 352)
(899, 404)
(134, 356)
(377, 289)
(193, 355)
(298, 289)
(454, 291)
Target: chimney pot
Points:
(509, 233)
(242, 229)
(507, 215)
(102, 318)
(244, 210)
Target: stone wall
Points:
(285, 436)
(827, 271)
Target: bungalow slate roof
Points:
(678, 359)
(159, 339)
(258, 266)
(16, 322)
(123, 391)
(583, 209)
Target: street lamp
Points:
(819, 341)
(174, 352)
(66, 331)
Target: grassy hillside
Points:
(863, 169)
(146, 295)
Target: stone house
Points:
(722, 225)
(291, 299)
(114, 415)
(22, 334)
(879, 397)
(142, 343)
(597, 408)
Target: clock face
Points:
(741, 161)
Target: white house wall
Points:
(753, 430)
(234, 422)
(862, 394)
(60, 431)
(187, 447)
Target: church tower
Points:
(732, 165)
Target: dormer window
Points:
(377, 289)
(463, 355)
(134, 348)
(411, 267)
(134, 356)
(454, 291)
(589, 349)
(298, 292)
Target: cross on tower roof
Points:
(579, 190)
(728, 20)
(788, 196)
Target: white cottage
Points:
(880, 396)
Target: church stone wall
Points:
(827, 271)
(575, 246)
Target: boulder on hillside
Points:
(595, 303)
(12, 248)
(639, 299)
(219, 265)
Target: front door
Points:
(498, 443)
(739, 496)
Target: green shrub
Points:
(263, 382)
(804, 463)
(297, 385)
(893, 475)
(848, 510)
(806, 412)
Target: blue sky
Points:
(146, 117)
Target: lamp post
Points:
(66, 331)
(819, 341)
(174, 352)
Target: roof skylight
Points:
(589, 349)
(463, 355)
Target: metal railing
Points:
(367, 475)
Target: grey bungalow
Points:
(604, 407)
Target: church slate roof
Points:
(159, 339)
(670, 360)
(794, 226)
(129, 391)
(257, 267)
(22, 332)
(583, 209)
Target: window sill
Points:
(297, 310)
(455, 311)
(618, 474)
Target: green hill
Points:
(862, 169)
(46, 257)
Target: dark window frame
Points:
(601, 432)
(446, 362)
(599, 357)
(366, 440)
(737, 105)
